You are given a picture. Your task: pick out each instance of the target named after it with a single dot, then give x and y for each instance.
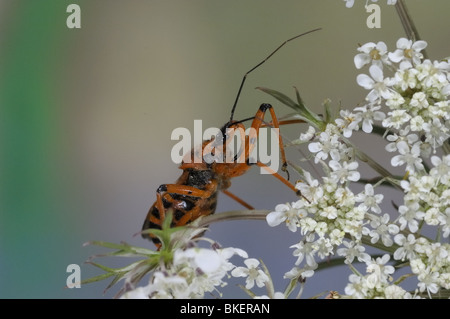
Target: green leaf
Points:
(312, 117)
(328, 113)
(122, 250)
(299, 107)
(247, 291)
(290, 287)
(299, 99)
(97, 278)
(292, 117)
(282, 98)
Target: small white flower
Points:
(297, 273)
(305, 251)
(368, 114)
(165, 286)
(382, 229)
(252, 272)
(372, 53)
(419, 101)
(404, 137)
(348, 122)
(327, 145)
(417, 123)
(311, 189)
(344, 198)
(329, 212)
(406, 249)
(206, 260)
(378, 86)
(352, 251)
(337, 237)
(428, 280)
(307, 225)
(395, 292)
(321, 229)
(405, 78)
(379, 272)
(369, 199)
(324, 247)
(395, 101)
(396, 119)
(409, 156)
(441, 167)
(286, 213)
(437, 132)
(432, 216)
(344, 172)
(357, 288)
(407, 50)
(408, 217)
(309, 135)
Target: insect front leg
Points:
(257, 123)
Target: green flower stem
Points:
(261, 215)
(446, 148)
(232, 215)
(379, 245)
(372, 163)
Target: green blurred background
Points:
(86, 116)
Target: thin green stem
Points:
(233, 215)
(372, 163)
(446, 148)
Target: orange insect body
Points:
(195, 193)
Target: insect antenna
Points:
(260, 63)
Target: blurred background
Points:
(86, 117)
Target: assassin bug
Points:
(195, 192)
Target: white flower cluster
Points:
(350, 3)
(430, 262)
(330, 213)
(377, 283)
(417, 97)
(334, 220)
(192, 273)
(427, 198)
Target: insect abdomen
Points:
(181, 216)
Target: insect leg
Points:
(281, 179)
(257, 123)
(239, 200)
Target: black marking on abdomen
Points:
(178, 215)
(155, 212)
